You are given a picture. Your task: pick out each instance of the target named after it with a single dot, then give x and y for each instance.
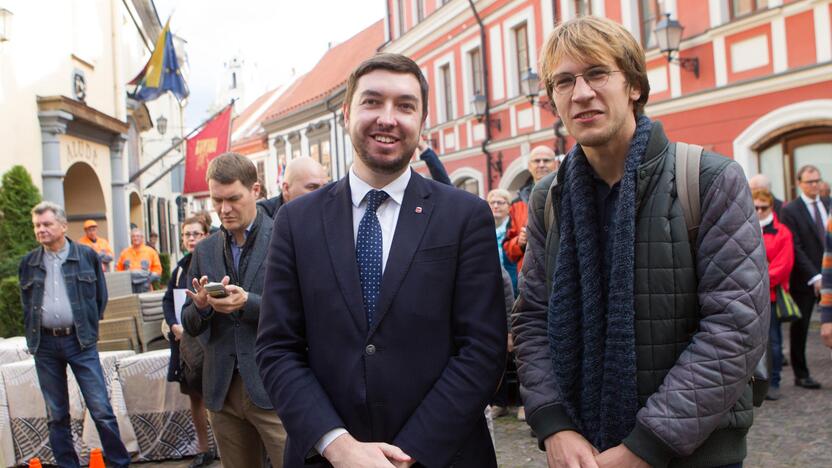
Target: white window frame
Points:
(524, 16)
(448, 60)
(468, 74)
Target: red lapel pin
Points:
(418, 209)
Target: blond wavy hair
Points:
(595, 40)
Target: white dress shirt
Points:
(387, 212)
(388, 216)
(824, 216)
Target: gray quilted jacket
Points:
(701, 326)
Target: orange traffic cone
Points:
(34, 463)
(96, 458)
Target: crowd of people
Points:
(370, 321)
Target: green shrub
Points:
(17, 197)
(11, 311)
(162, 282)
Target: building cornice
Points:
(439, 23)
(764, 85)
(82, 112)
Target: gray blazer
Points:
(229, 336)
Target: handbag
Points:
(785, 307)
(760, 380)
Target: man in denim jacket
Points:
(64, 295)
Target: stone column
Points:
(52, 125)
(118, 181)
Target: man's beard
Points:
(385, 166)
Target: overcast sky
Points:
(277, 35)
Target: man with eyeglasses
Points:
(636, 339)
(542, 161)
(806, 217)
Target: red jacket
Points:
(518, 214)
(780, 254)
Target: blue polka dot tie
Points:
(368, 253)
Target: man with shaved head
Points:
(303, 175)
(761, 181)
(542, 161)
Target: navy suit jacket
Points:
(808, 248)
(421, 376)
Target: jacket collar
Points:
(37, 257)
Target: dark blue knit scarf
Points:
(593, 341)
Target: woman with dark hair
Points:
(780, 255)
(194, 229)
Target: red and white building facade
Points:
(763, 94)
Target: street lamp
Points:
(162, 125)
(5, 25)
(669, 35)
(529, 84)
(478, 103)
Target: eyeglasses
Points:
(497, 203)
(811, 182)
(595, 78)
(762, 207)
(195, 234)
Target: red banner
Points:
(210, 142)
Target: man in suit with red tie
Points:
(382, 331)
(806, 217)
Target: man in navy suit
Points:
(806, 218)
(382, 329)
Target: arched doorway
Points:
(516, 176)
(782, 155)
(468, 179)
(136, 210)
(84, 200)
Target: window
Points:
(521, 42)
(740, 8)
(261, 170)
(475, 60)
(400, 14)
(294, 140)
(583, 7)
(650, 12)
(447, 93)
(319, 148)
(420, 10)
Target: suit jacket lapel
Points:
(410, 227)
(809, 221)
(340, 240)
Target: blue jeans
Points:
(51, 359)
(775, 342)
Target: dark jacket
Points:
(229, 338)
(422, 374)
(178, 280)
(435, 167)
(701, 323)
(85, 287)
(270, 206)
(808, 247)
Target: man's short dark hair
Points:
(230, 167)
(396, 63)
(805, 169)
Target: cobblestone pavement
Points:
(795, 431)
